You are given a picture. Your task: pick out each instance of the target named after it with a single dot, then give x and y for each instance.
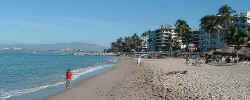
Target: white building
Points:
(159, 38)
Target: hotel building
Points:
(195, 38)
(210, 42)
(160, 39)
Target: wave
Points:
(6, 95)
(82, 71)
(112, 61)
(76, 74)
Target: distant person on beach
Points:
(139, 60)
(187, 60)
(68, 78)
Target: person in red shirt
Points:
(68, 78)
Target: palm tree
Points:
(119, 43)
(225, 16)
(225, 10)
(218, 24)
(145, 36)
(183, 30)
(237, 37)
(127, 44)
(211, 25)
(114, 47)
(137, 42)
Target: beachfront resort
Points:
(135, 50)
(180, 63)
(224, 34)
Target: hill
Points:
(56, 46)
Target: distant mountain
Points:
(56, 46)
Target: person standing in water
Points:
(68, 78)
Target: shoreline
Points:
(99, 86)
(80, 81)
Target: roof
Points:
(244, 51)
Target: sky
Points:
(97, 21)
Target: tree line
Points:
(127, 44)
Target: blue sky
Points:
(97, 21)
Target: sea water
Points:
(35, 75)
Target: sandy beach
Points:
(200, 83)
(151, 81)
(99, 87)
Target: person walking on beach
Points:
(187, 60)
(139, 60)
(68, 78)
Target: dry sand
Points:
(150, 81)
(199, 83)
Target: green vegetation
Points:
(218, 24)
(183, 30)
(222, 24)
(127, 44)
(210, 24)
(237, 37)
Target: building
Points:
(160, 39)
(210, 42)
(242, 20)
(144, 47)
(195, 38)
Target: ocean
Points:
(35, 75)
